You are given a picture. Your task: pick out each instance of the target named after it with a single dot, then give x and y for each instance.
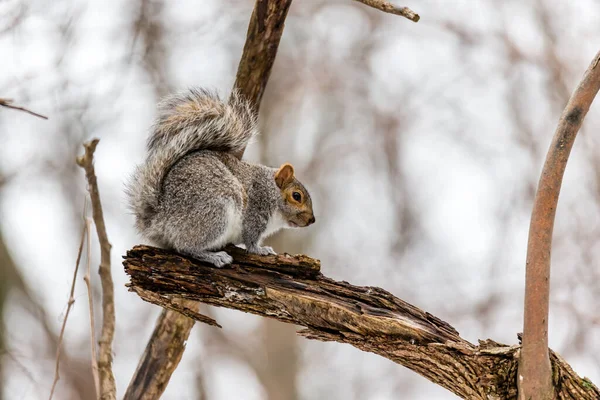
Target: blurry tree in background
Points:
(421, 145)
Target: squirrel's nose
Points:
(311, 220)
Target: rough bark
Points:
(262, 41)
(152, 374)
(291, 289)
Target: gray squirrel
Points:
(192, 194)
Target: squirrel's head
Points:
(296, 205)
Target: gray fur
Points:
(206, 124)
(200, 191)
(192, 194)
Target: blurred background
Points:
(421, 145)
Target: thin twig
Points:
(87, 280)
(535, 374)
(69, 306)
(392, 9)
(108, 389)
(8, 104)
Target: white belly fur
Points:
(233, 228)
(276, 223)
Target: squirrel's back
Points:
(187, 122)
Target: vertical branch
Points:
(87, 279)
(535, 375)
(262, 41)
(107, 380)
(69, 306)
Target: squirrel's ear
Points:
(284, 175)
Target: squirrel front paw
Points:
(221, 259)
(261, 250)
(218, 259)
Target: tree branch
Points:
(161, 357)
(292, 289)
(535, 374)
(87, 278)
(8, 104)
(262, 41)
(392, 9)
(107, 380)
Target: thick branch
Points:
(534, 366)
(262, 41)
(152, 375)
(292, 289)
(108, 389)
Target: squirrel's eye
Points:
(297, 196)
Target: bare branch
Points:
(8, 104)
(69, 305)
(262, 41)
(291, 289)
(392, 9)
(162, 354)
(535, 373)
(107, 380)
(88, 284)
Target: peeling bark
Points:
(292, 289)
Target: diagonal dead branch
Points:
(292, 289)
(162, 355)
(392, 9)
(310, 299)
(108, 389)
(534, 365)
(8, 103)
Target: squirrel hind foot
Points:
(219, 259)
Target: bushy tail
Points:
(187, 122)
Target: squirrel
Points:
(192, 194)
